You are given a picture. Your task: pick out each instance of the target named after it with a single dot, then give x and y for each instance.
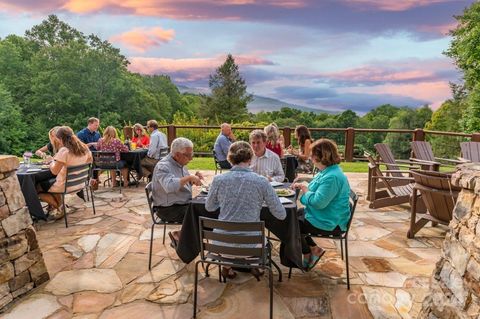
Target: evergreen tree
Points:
(229, 99)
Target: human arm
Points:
(322, 196)
(59, 161)
(41, 152)
(306, 151)
(278, 174)
(273, 202)
(153, 147)
(212, 203)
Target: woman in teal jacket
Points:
(325, 198)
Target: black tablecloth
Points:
(287, 231)
(27, 181)
(291, 167)
(134, 158)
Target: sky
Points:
(326, 54)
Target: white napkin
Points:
(285, 200)
(275, 183)
(31, 170)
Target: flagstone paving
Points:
(99, 269)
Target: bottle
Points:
(127, 143)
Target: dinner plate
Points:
(286, 192)
(275, 183)
(205, 189)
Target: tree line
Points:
(56, 75)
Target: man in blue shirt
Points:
(157, 149)
(90, 135)
(222, 144)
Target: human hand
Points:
(94, 144)
(195, 180)
(40, 154)
(47, 159)
(302, 186)
(199, 175)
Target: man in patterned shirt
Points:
(264, 161)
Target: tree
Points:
(12, 139)
(229, 99)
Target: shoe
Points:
(81, 195)
(94, 184)
(228, 273)
(314, 259)
(173, 242)
(257, 273)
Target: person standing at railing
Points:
(222, 144)
(158, 147)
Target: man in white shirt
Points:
(157, 149)
(264, 161)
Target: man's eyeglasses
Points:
(187, 155)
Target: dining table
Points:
(287, 231)
(28, 177)
(133, 158)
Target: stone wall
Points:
(21, 262)
(455, 283)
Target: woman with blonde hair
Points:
(72, 152)
(110, 143)
(52, 147)
(274, 139)
(140, 137)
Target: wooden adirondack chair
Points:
(422, 152)
(388, 159)
(438, 196)
(383, 189)
(470, 152)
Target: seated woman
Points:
(110, 143)
(304, 139)
(325, 199)
(274, 139)
(72, 152)
(140, 137)
(52, 147)
(240, 194)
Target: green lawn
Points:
(206, 163)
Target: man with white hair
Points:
(172, 183)
(222, 144)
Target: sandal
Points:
(173, 242)
(257, 273)
(314, 260)
(228, 273)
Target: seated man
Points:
(158, 145)
(90, 135)
(264, 161)
(172, 184)
(222, 144)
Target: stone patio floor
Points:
(99, 269)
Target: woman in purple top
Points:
(110, 143)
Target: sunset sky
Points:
(325, 54)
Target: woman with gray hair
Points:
(240, 194)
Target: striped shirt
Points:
(268, 165)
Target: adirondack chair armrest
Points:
(464, 160)
(406, 162)
(448, 160)
(422, 162)
(393, 178)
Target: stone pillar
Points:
(455, 283)
(21, 262)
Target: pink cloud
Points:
(142, 39)
(443, 29)
(392, 5)
(190, 69)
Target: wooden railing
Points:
(350, 132)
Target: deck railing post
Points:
(287, 135)
(349, 144)
(171, 134)
(418, 135)
(475, 137)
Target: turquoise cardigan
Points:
(327, 199)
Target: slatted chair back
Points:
(148, 192)
(438, 194)
(104, 160)
(423, 151)
(375, 171)
(387, 157)
(77, 175)
(235, 243)
(471, 151)
(217, 164)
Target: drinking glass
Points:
(26, 158)
(134, 146)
